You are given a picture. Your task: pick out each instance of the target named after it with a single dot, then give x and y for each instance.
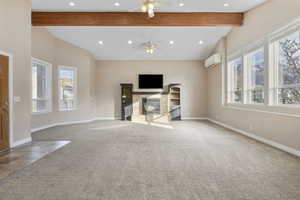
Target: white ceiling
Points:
(134, 5)
(115, 39)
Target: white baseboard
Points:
(193, 118)
(72, 123)
(261, 139)
(42, 128)
(107, 118)
(21, 142)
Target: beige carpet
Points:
(115, 160)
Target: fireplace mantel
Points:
(146, 92)
(166, 90)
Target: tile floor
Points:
(20, 157)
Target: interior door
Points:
(4, 103)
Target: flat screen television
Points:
(151, 81)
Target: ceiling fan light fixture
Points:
(149, 6)
(151, 13)
(150, 50)
(150, 47)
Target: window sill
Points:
(41, 113)
(275, 110)
(284, 106)
(68, 110)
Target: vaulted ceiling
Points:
(126, 43)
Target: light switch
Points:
(17, 99)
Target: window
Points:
(287, 70)
(255, 63)
(269, 75)
(235, 81)
(41, 86)
(67, 88)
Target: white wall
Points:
(15, 37)
(280, 128)
(57, 52)
(191, 74)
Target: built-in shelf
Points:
(174, 102)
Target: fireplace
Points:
(151, 106)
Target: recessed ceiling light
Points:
(200, 42)
(100, 42)
(72, 4)
(226, 4)
(129, 42)
(117, 4)
(181, 4)
(171, 42)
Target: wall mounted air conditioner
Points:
(213, 60)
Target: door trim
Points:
(11, 99)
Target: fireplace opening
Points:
(151, 106)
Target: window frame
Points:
(48, 97)
(75, 80)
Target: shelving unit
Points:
(175, 103)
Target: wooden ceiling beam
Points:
(135, 19)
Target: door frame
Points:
(11, 97)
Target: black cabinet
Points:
(126, 101)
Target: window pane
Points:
(41, 81)
(256, 62)
(257, 95)
(39, 105)
(236, 69)
(237, 73)
(67, 89)
(289, 95)
(41, 77)
(257, 68)
(289, 60)
(34, 82)
(237, 96)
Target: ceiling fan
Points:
(149, 6)
(150, 47)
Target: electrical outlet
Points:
(17, 99)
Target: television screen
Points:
(150, 81)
